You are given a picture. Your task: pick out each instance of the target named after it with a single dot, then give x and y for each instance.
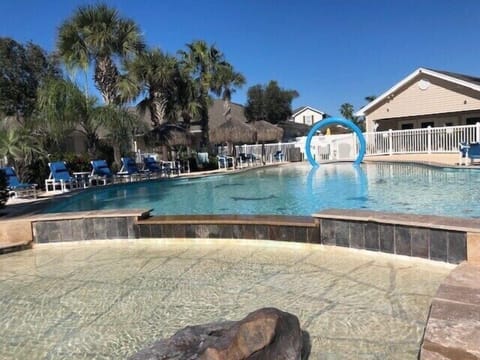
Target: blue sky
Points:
(330, 51)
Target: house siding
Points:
(307, 115)
(440, 97)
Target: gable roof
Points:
(301, 109)
(459, 79)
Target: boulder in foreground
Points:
(266, 333)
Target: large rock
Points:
(264, 334)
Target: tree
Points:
(121, 125)
(201, 61)
(370, 98)
(64, 108)
(20, 147)
(255, 107)
(97, 35)
(347, 110)
(270, 103)
(225, 82)
(23, 68)
(154, 76)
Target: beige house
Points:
(306, 115)
(425, 98)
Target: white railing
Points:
(341, 147)
(344, 147)
(428, 140)
(270, 150)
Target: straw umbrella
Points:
(267, 132)
(233, 131)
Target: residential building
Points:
(306, 115)
(425, 98)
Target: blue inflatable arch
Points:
(335, 121)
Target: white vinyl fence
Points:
(344, 147)
(428, 140)
(270, 150)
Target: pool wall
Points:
(430, 237)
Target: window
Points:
(407, 126)
(426, 124)
(473, 120)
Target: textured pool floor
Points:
(109, 299)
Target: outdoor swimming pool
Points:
(297, 189)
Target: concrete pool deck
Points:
(453, 329)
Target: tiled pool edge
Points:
(429, 237)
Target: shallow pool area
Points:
(108, 299)
(296, 189)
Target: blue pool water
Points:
(297, 189)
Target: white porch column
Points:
(390, 141)
(429, 139)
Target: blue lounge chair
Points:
(17, 188)
(59, 176)
(225, 162)
(170, 167)
(152, 165)
(246, 159)
(473, 152)
(130, 170)
(100, 172)
(279, 155)
(468, 153)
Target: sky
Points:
(329, 51)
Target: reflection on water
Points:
(109, 299)
(298, 189)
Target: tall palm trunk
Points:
(204, 122)
(117, 155)
(157, 113)
(227, 109)
(106, 78)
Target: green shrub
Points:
(3, 189)
(36, 172)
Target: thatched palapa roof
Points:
(233, 131)
(267, 131)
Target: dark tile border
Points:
(439, 243)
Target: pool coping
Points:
(453, 321)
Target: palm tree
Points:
(64, 108)
(96, 34)
(121, 125)
(202, 61)
(225, 82)
(154, 75)
(346, 109)
(370, 98)
(157, 77)
(20, 147)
